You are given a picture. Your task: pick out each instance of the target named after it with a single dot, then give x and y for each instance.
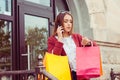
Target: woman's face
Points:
(67, 23)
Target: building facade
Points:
(25, 26)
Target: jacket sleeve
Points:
(79, 37)
(94, 43)
(54, 46)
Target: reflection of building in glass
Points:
(6, 1)
(5, 7)
(42, 2)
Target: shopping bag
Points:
(101, 69)
(58, 66)
(88, 62)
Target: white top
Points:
(70, 49)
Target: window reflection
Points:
(5, 48)
(42, 2)
(36, 33)
(5, 7)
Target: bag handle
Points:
(91, 44)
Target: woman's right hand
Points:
(85, 41)
(59, 33)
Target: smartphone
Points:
(59, 26)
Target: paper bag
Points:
(88, 62)
(58, 66)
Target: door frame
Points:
(34, 10)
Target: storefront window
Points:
(36, 33)
(42, 2)
(5, 7)
(5, 46)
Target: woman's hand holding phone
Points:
(59, 33)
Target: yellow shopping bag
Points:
(58, 66)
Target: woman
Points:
(64, 41)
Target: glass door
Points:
(36, 33)
(34, 30)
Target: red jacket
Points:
(57, 47)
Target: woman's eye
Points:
(65, 21)
(71, 21)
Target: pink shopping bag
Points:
(88, 62)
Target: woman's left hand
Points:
(85, 41)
